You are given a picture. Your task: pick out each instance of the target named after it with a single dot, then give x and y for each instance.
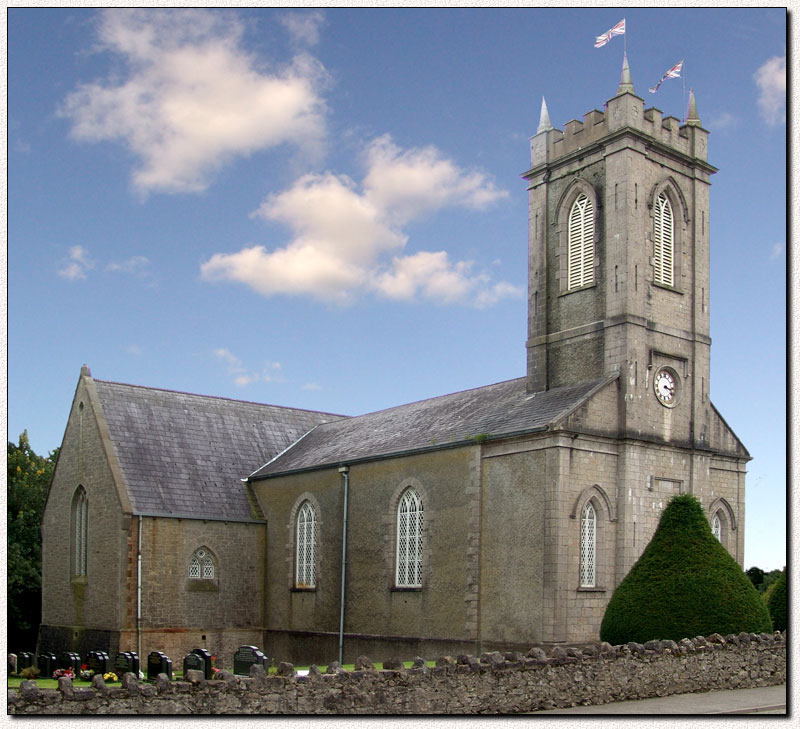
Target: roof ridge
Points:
(435, 397)
(220, 397)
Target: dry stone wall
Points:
(494, 683)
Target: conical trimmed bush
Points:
(776, 603)
(685, 584)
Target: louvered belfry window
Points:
(580, 243)
(409, 540)
(80, 516)
(716, 527)
(305, 573)
(664, 242)
(588, 545)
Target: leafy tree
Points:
(776, 602)
(28, 480)
(685, 584)
(770, 578)
(756, 575)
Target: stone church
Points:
(496, 518)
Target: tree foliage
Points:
(28, 480)
(685, 584)
(776, 602)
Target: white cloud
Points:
(134, 265)
(311, 386)
(242, 376)
(771, 80)
(303, 26)
(776, 252)
(343, 236)
(410, 184)
(79, 263)
(192, 98)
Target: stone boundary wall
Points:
(495, 683)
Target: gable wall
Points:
(178, 612)
(74, 609)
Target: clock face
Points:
(666, 386)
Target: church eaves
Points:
(459, 419)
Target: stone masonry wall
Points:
(494, 684)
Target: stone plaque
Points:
(206, 656)
(98, 661)
(158, 662)
(246, 656)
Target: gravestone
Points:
(158, 662)
(194, 662)
(47, 663)
(126, 662)
(246, 656)
(98, 662)
(70, 660)
(24, 660)
(12, 663)
(206, 656)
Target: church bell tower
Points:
(619, 262)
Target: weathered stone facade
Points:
(504, 473)
(492, 684)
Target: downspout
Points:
(139, 592)
(345, 471)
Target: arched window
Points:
(80, 526)
(580, 243)
(409, 540)
(201, 565)
(305, 570)
(716, 526)
(664, 242)
(588, 546)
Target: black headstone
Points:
(126, 662)
(70, 660)
(98, 662)
(193, 662)
(24, 660)
(47, 663)
(206, 656)
(246, 656)
(157, 662)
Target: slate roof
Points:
(185, 455)
(494, 410)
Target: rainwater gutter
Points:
(139, 591)
(345, 471)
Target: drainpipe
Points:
(345, 471)
(139, 592)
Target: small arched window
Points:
(201, 565)
(306, 544)
(716, 526)
(588, 546)
(409, 540)
(664, 242)
(580, 243)
(80, 528)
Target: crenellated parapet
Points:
(623, 113)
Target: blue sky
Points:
(323, 208)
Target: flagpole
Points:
(683, 80)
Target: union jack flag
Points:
(618, 29)
(674, 72)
